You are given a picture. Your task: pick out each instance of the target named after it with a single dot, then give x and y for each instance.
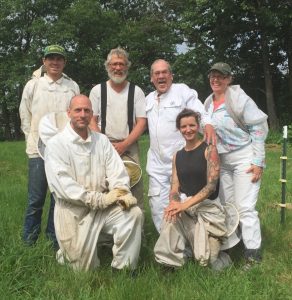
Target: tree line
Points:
(253, 36)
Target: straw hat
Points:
(133, 169)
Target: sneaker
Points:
(252, 258)
(222, 262)
(249, 264)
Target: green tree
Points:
(88, 29)
(24, 30)
(243, 33)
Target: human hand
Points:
(173, 210)
(210, 134)
(256, 172)
(126, 201)
(120, 147)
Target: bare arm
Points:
(137, 131)
(213, 168)
(210, 134)
(93, 124)
(174, 192)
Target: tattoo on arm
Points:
(213, 167)
(174, 196)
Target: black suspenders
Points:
(103, 100)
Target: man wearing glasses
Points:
(119, 111)
(162, 107)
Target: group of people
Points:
(200, 158)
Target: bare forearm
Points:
(203, 194)
(93, 124)
(137, 131)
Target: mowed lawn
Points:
(32, 273)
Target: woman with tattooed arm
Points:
(194, 221)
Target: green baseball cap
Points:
(54, 49)
(222, 68)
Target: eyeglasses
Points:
(164, 72)
(218, 77)
(117, 64)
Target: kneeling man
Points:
(91, 188)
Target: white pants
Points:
(80, 230)
(236, 187)
(159, 188)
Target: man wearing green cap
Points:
(42, 95)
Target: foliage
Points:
(88, 30)
(253, 36)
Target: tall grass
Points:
(32, 272)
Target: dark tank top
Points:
(191, 168)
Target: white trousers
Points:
(79, 232)
(236, 187)
(159, 188)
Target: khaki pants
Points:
(195, 236)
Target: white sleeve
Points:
(94, 97)
(61, 180)
(140, 103)
(193, 102)
(116, 173)
(61, 176)
(25, 106)
(76, 88)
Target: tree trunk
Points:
(18, 135)
(273, 120)
(6, 122)
(289, 57)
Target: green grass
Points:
(32, 273)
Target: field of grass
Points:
(32, 273)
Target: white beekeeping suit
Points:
(80, 173)
(165, 140)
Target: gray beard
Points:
(117, 80)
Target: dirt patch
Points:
(273, 146)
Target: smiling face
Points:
(189, 128)
(219, 82)
(54, 64)
(161, 76)
(80, 113)
(117, 69)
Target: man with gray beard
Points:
(119, 111)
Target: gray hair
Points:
(158, 60)
(119, 52)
